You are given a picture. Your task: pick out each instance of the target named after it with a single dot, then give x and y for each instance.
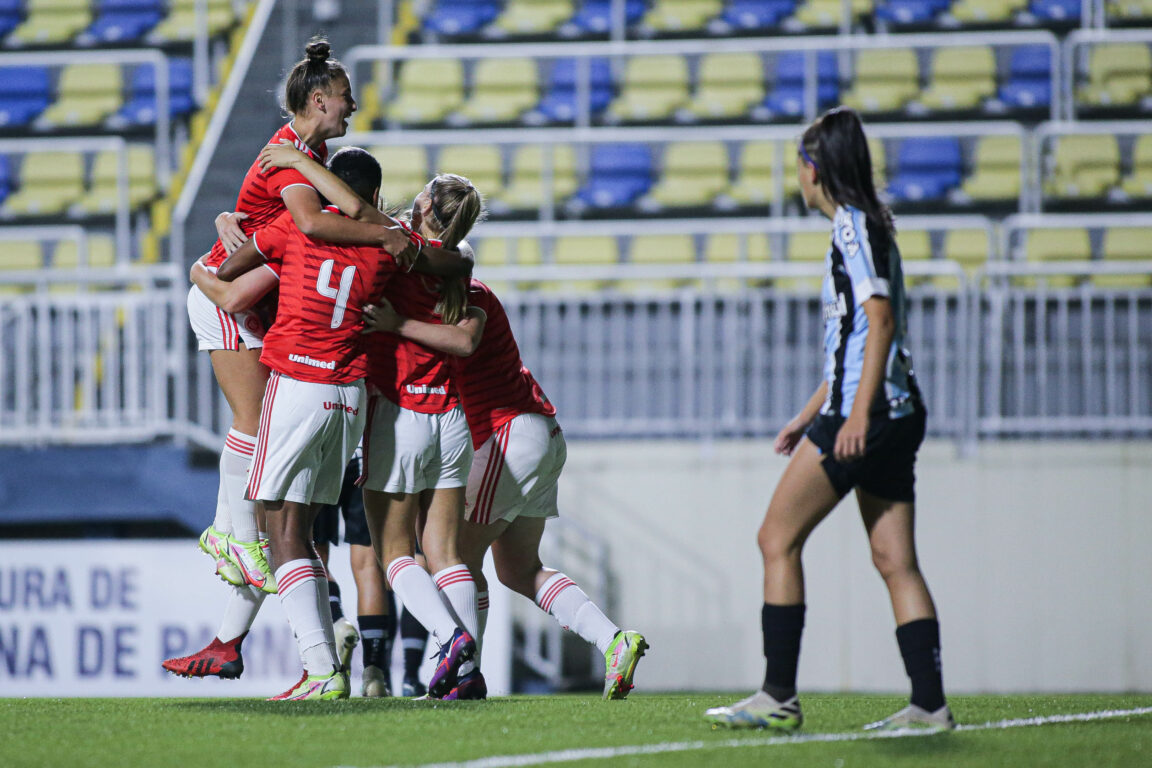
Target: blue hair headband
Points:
(807, 158)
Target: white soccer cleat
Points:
(759, 711)
(346, 640)
(374, 683)
(915, 718)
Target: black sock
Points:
(334, 601)
(377, 640)
(920, 646)
(783, 625)
(414, 637)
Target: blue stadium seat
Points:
(911, 11)
(926, 169)
(461, 17)
(11, 14)
(757, 14)
(141, 106)
(5, 177)
(559, 103)
(595, 16)
(25, 92)
(1029, 81)
(124, 20)
(788, 97)
(619, 173)
(1056, 10)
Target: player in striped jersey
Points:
(512, 485)
(859, 431)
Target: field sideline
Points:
(646, 730)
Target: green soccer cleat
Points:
(317, 687)
(914, 718)
(620, 663)
(248, 557)
(347, 639)
(758, 711)
(215, 544)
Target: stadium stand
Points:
(25, 92)
(120, 21)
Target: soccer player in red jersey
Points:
(512, 485)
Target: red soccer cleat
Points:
(218, 659)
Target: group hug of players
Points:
(337, 331)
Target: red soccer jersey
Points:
(495, 386)
(260, 194)
(316, 336)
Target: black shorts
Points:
(887, 469)
(351, 503)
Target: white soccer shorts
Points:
(515, 472)
(407, 451)
(217, 329)
(308, 432)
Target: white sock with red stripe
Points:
(243, 605)
(296, 581)
(238, 449)
(223, 520)
(414, 587)
(568, 604)
(458, 589)
(481, 620)
(323, 597)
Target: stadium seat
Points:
(1083, 166)
(533, 17)
(915, 244)
(962, 78)
(20, 255)
(141, 106)
(1128, 10)
(25, 92)
(911, 11)
(502, 91)
(180, 24)
(618, 174)
(1029, 83)
(726, 248)
(51, 22)
(787, 100)
(86, 95)
(592, 250)
(11, 14)
(1119, 75)
(526, 190)
(416, 102)
(681, 15)
(1125, 244)
(885, 80)
(695, 172)
(659, 249)
(1138, 184)
(879, 156)
(103, 192)
(969, 247)
(805, 247)
(408, 173)
(509, 252)
(986, 11)
(49, 183)
(654, 87)
(749, 15)
(595, 16)
(460, 17)
(995, 170)
(728, 85)
(122, 21)
(560, 105)
(6, 181)
(483, 165)
(101, 254)
(826, 14)
(925, 169)
(755, 180)
(1066, 11)
(1064, 244)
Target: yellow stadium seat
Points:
(694, 173)
(180, 24)
(805, 247)
(969, 247)
(828, 13)
(729, 84)
(49, 183)
(986, 11)
(660, 249)
(1138, 184)
(52, 22)
(101, 254)
(1063, 244)
(682, 15)
(427, 91)
(407, 173)
(914, 245)
(502, 90)
(19, 255)
(654, 87)
(533, 17)
(731, 248)
(1129, 9)
(369, 101)
(962, 78)
(1119, 74)
(595, 250)
(755, 183)
(103, 194)
(1083, 166)
(86, 94)
(526, 189)
(508, 252)
(480, 164)
(885, 80)
(879, 157)
(996, 169)
(1125, 244)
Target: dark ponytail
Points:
(836, 146)
(315, 70)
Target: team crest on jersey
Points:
(848, 237)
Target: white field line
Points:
(605, 753)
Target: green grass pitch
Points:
(396, 732)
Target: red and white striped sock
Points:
(323, 597)
(481, 620)
(234, 462)
(458, 588)
(296, 583)
(417, 592)
(243, 605)
(568, 604)
(223, 520)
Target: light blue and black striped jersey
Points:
(862, 262)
